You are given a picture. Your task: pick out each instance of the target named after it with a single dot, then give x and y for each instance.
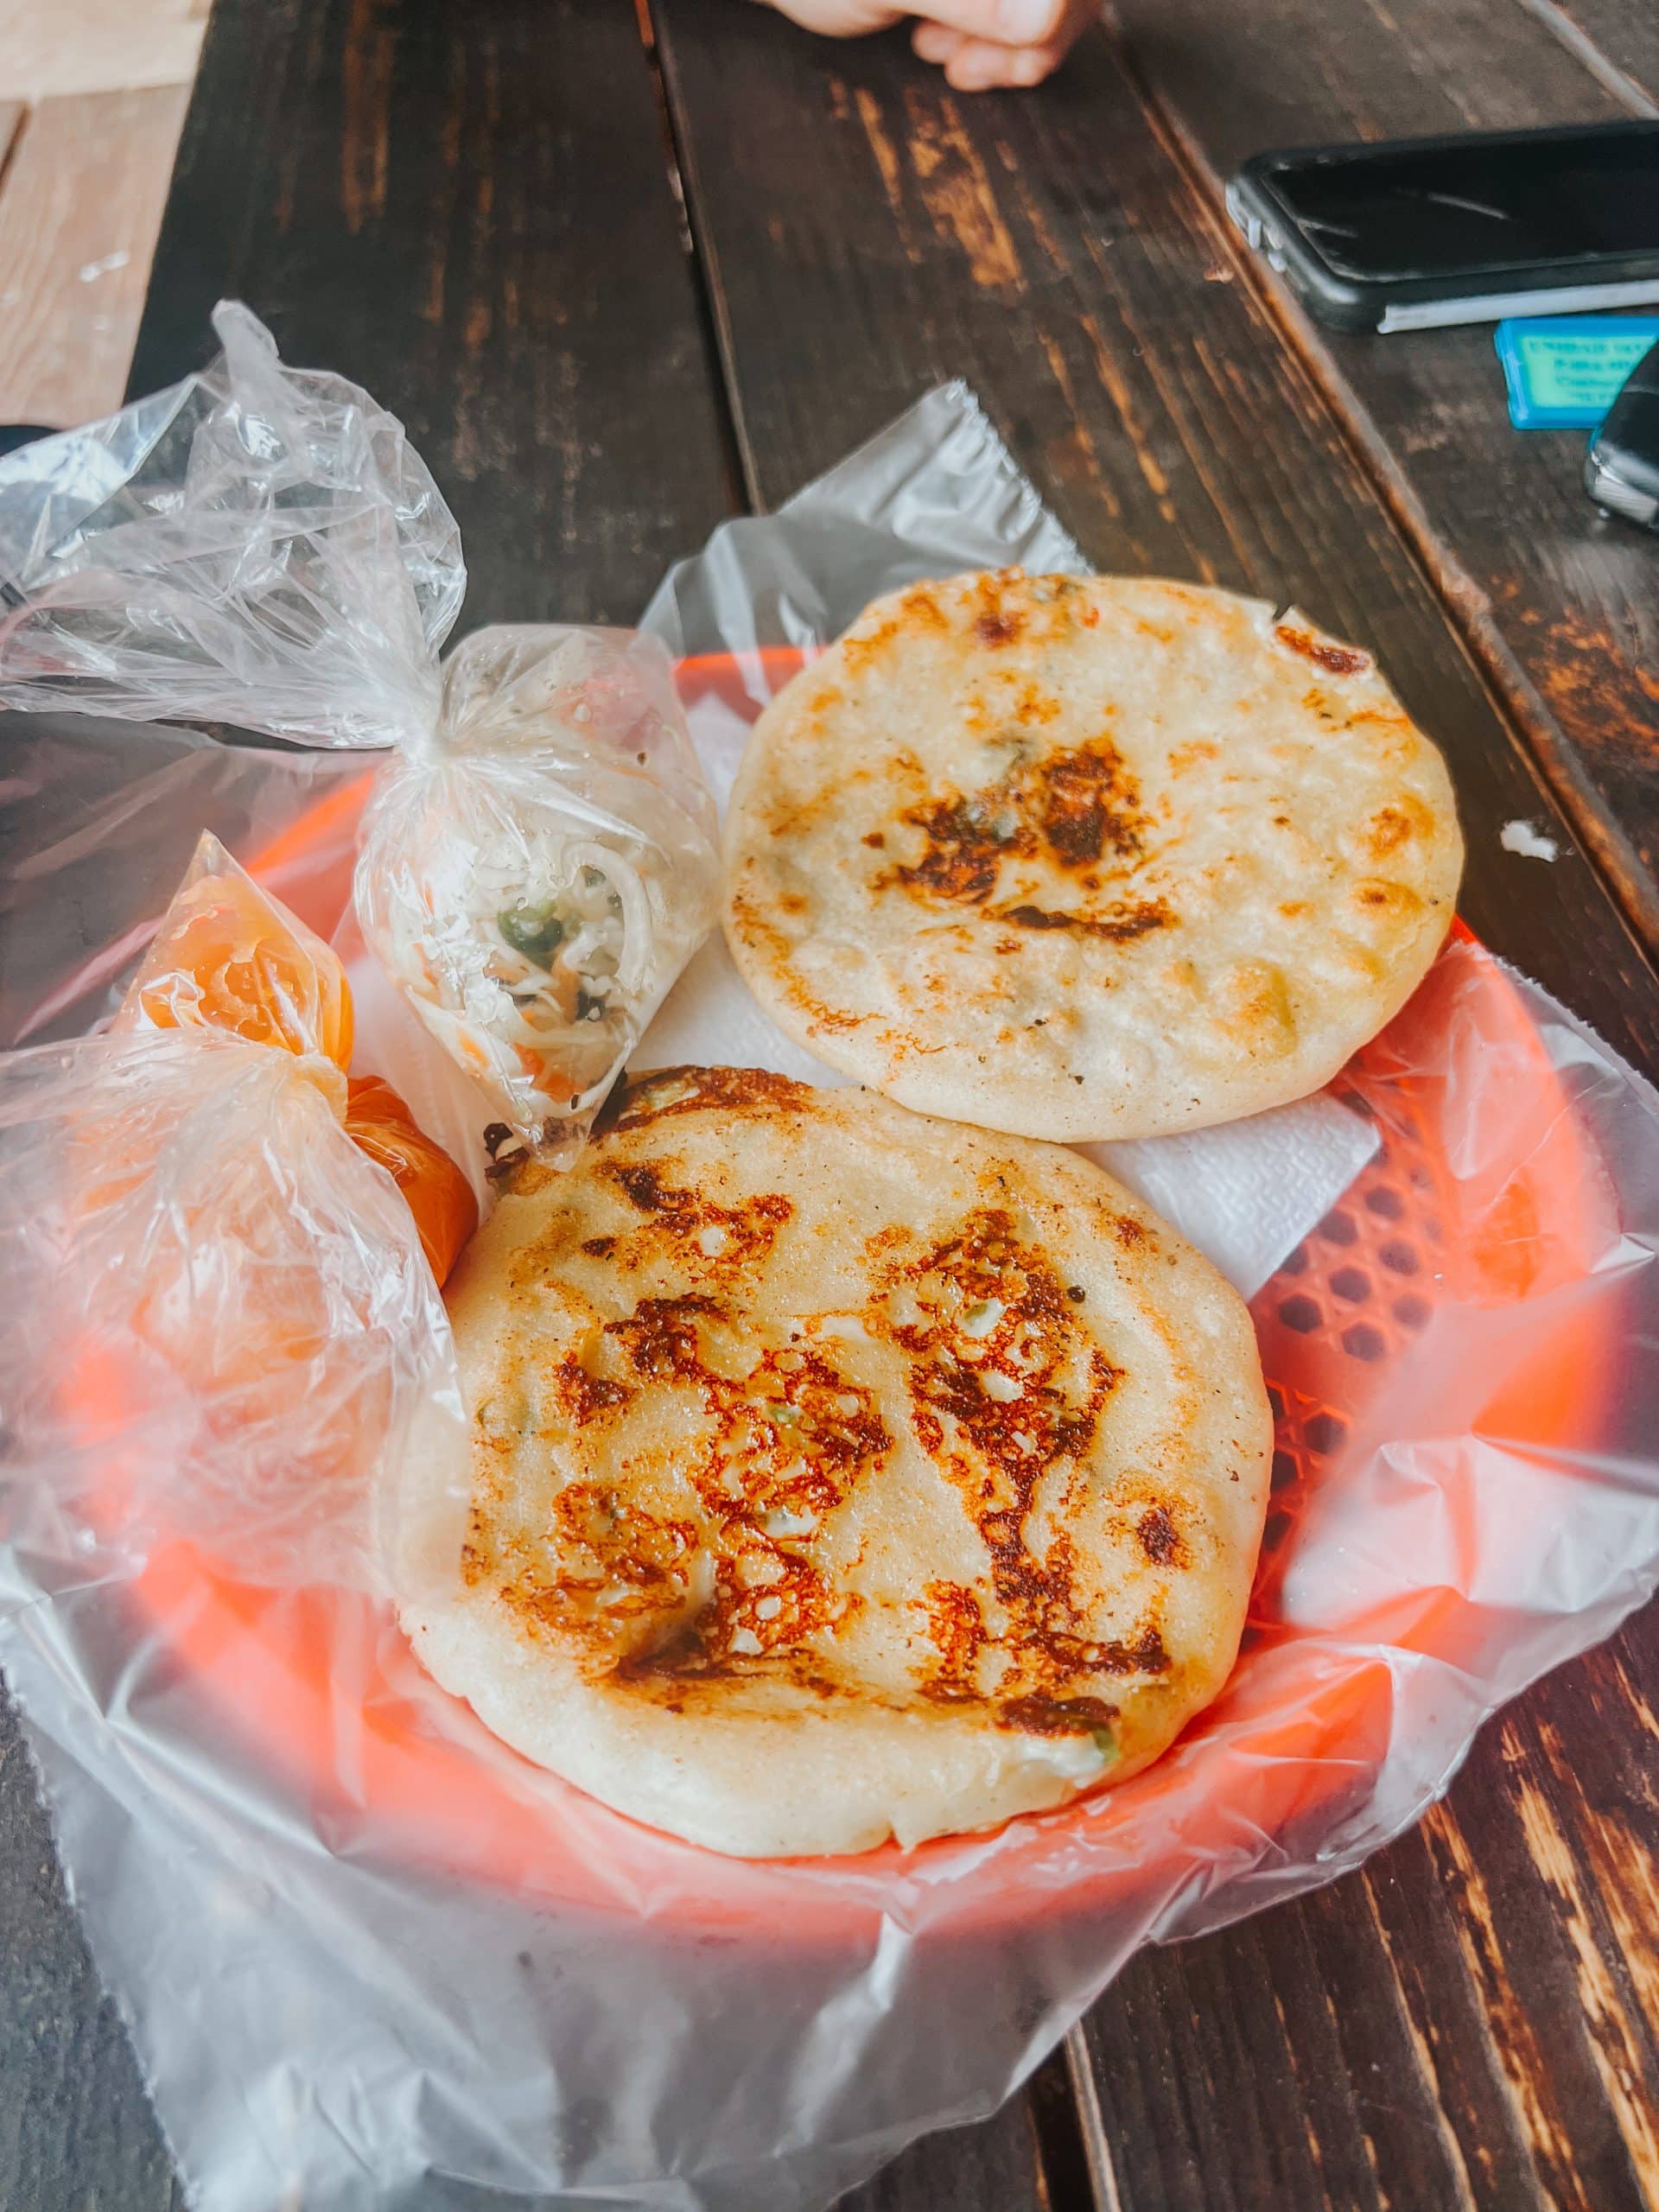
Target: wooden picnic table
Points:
(627, 270)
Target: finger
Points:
(935, 42)
(978, 65)
(1002, 22)
(842, 18)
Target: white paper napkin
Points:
(1246, 1194)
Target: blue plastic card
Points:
(1565, 371)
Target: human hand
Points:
(978, 43)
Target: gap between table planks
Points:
(1560, 605)
(849, 211)
(1617, 42)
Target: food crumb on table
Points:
(1529, 841)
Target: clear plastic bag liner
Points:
(370, 1959)
(935, 492)
(260, 546)
(257, 545)
(222, 1328)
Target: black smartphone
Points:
(1415, 233)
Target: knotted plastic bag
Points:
(260, 546)
(226, 1258)
(231, 958)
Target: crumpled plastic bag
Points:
(225, 1317)
(230, 959)
(260, 546)
(370, 1960)
(221, 1323)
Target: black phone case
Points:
(1273, 229)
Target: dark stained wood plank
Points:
(1381, 2043)
(1469, 2021)
(1378, 73)
(1561, 604)
(466, 210)
(1239, 2071)
(1050, 248)
(1616, 41)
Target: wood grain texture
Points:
(1391, 2042)
(1561, 604)
(51, 48)
(1616, 43)
(1469, 2021)
(81, 202)
(466, 209)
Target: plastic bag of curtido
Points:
(260, 546)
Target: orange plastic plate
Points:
(325, 1689)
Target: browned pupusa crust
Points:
(1087, 857)
(840, 1473)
